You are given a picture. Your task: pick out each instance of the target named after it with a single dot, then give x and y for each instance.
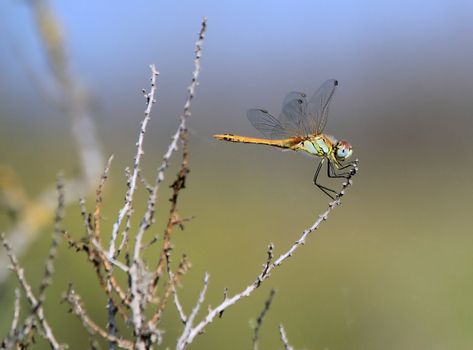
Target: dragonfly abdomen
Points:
(282, 143)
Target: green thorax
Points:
(320, 145)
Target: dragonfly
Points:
(300, 127)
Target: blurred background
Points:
(392, 268)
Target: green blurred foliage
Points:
(390, 268)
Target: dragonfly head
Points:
(342, 150)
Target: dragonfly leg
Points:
(324, 189)
(332, 172)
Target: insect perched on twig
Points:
(300, 127)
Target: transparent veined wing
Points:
(318, 106)
(293, 115)
(298, 117)
(268, 125)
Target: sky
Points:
(255, 52)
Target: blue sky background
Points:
(255, 52)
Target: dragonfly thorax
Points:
(319, 145)
(326, 146)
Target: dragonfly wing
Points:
(265, 123)
(319, 104)
(293, 115)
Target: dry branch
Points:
(130, 302)
(179, 183)
(74, 97)
(268, 267)
(49, 267)
(99, 199)
(92, 328)
(37, 212)
(12, 337)
(172, 282)
(282, 332)
(182, 341)
(36, 302)
(132, 180)
(260, 319)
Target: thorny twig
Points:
(16, 313)
(198, 329)
(225, 296)
(181, 343)
(180, 309)
(98, 258)
(260, 319)
(99, 199)
(36, 302)
(36, 214)
(183, 267)
(92, 246)
(177, 186)
(267, 265)
(49, 268)
(282, 332)
(92, 328)
(143, 283)
(12, 337)
(74, 97)
(136, 273)
(179, 183)
(132, 180)
(136, 303)
(140, 291)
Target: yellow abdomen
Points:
(281, 143)
(317, 145)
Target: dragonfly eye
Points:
(343, 150)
